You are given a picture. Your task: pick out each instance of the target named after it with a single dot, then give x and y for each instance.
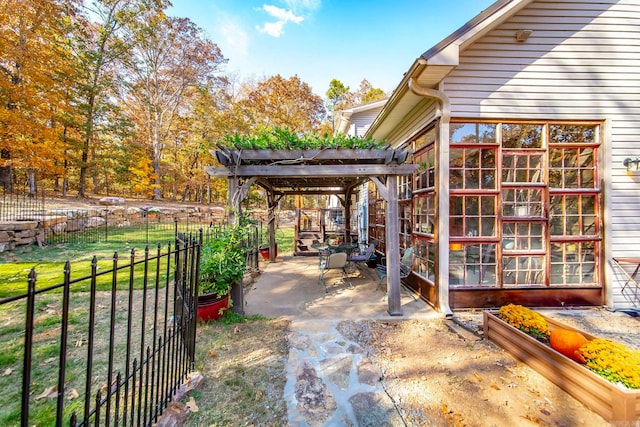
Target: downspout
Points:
(442, 174)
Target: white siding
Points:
(360, 122)
(581, 62)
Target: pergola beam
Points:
(318, 171)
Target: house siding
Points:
(581, 62)
(360, 122)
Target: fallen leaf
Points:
(544, 411)
(73, 394)
(495, 386)
(191, 404)
(213, 353)
(445, 408)
(236, 330)
(6, 372)
(258, 395)
(478, 377)
(49, 393)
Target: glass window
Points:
(472, 215)
(515, 135)
(523, 270)
(573, 215)
(522, 202)
(472, 168)
(573, 263)
(425, 176)
(473, 133)
(572, 134)
(472, 264)
(424, 264)
(522, 167)
(522, 236)
(572, 168)
(424, 214)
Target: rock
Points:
(368, 373)
(112, 201)
(299, 341)
(338, 370)
(315, 402)
(174, 416)
(375, 409)
(6, 246)
(95, 222)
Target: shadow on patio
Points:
(290, 288)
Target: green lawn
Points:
(49, 263)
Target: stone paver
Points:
(330, 380)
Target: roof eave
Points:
(436, 63)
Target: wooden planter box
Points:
(601, 396)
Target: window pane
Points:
(521, 135)
(572, 134)
(573, 215)
(523, 236)
(473, 133)
(573, 263)
(522, 271)
(472, 265)
(524, 202)
(522, 167)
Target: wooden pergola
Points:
(320, 171)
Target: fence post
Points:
(28, 347)
(64, 332)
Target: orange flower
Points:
(526, 320)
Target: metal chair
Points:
(334, 261)
(406, 266)
(362, 257)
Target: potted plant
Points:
(222, 263)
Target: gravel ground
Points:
(442, 373)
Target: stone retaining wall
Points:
(32, 228)
(19, 233)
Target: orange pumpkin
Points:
(567, 342)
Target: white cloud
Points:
(307, 5)
(276, 29)
(235, 37)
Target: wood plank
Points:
(319, 171)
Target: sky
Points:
(321, 40)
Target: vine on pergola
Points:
(284, 139)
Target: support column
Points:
(272, 202)
(392, 239)
(347, 216)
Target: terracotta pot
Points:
(212, 307)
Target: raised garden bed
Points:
(610, 401)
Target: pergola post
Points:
(272, 202)
(392, 240)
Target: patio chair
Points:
(359, 258)
(406, 266)
(334, 261)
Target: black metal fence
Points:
(108, 348)
(18, 204)
(131, 226)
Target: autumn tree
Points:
(170, 59)
(335, 100)
(33, 63)
(367, 93)
(286, 103)
(100, 43)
